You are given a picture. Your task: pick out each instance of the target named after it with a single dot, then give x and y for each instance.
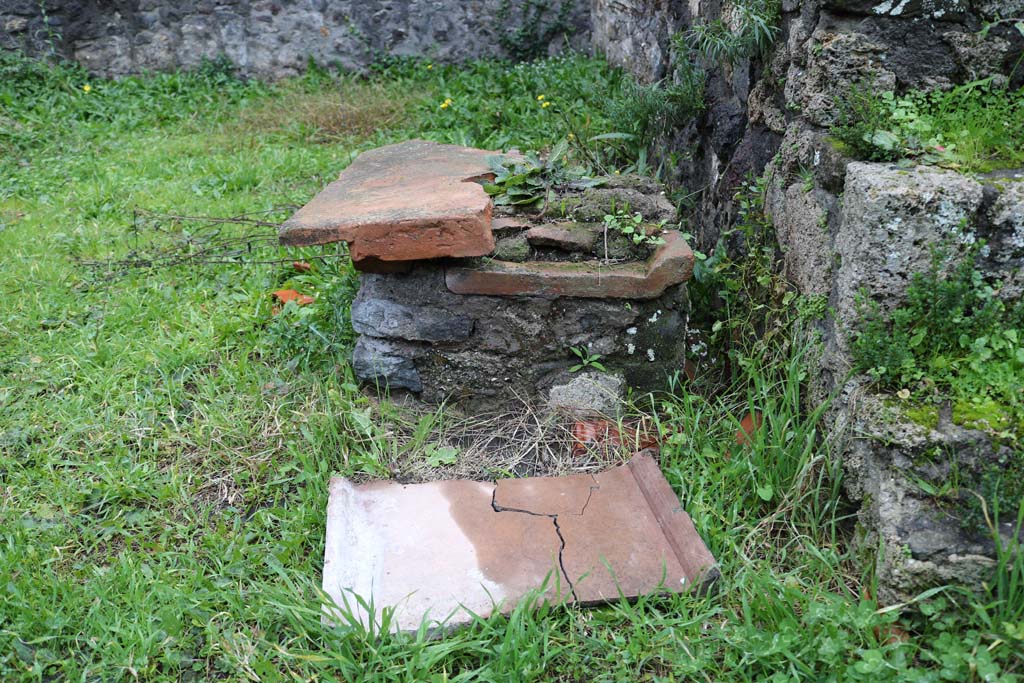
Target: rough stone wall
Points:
(265, 38)
(488, 351)
(843, 227)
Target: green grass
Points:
(166, 442)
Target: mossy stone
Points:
(987, 415)
(514, 248)
(924, 415)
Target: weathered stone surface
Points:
(436, 551)
(840, 61)
(587, 393)
(641, 195)
(1004, 251)
(387, 318)
(567, 238)
(921, 543)
(512, 248)
(634, 34)
(267, 39)
(386, 363)
(903, 9)
(506, 224)
(979, 56)
(891, 219)
(670, 264)
(406, 202)
(802, 220)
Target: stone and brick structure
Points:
(457, 303)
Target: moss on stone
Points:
(514, 248)
(924, 415)
(986, 415)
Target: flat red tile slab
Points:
(405, 202)
(634, 538)
(567, 495)
(434, 551)
(670, 264)
(441, 550)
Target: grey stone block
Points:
(388, 318)
(379, 360)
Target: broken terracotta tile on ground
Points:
(605, 435)
(286, 295)
(405, 202)
(444, 549)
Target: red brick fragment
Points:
(406, 202)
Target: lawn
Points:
(166, 439)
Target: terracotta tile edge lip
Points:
(564, 279)
(301, 234)
(692, 553)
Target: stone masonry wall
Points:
(488, 350)
(844, 226)
(264, 38)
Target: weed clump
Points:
(955, 340)
(978, 126)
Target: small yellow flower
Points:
(571, 136)
(430, 66)
(87, 88)
(540, 98)
(545, 105)
(447, 103)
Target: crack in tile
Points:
(595, 487)
(558, 531)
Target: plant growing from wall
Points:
(976, 126)
(586, 360)
(530, 181)
(648, 111)
(953, 340)
(536, 23)
(631, 226)
(749, 305)
(652, 110)
(748, 28)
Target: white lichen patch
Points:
(654, 318)
(631, 349)
(891, 7)
(650, 355)
(631, 330)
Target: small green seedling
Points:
(587, 360)
(631, 225)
